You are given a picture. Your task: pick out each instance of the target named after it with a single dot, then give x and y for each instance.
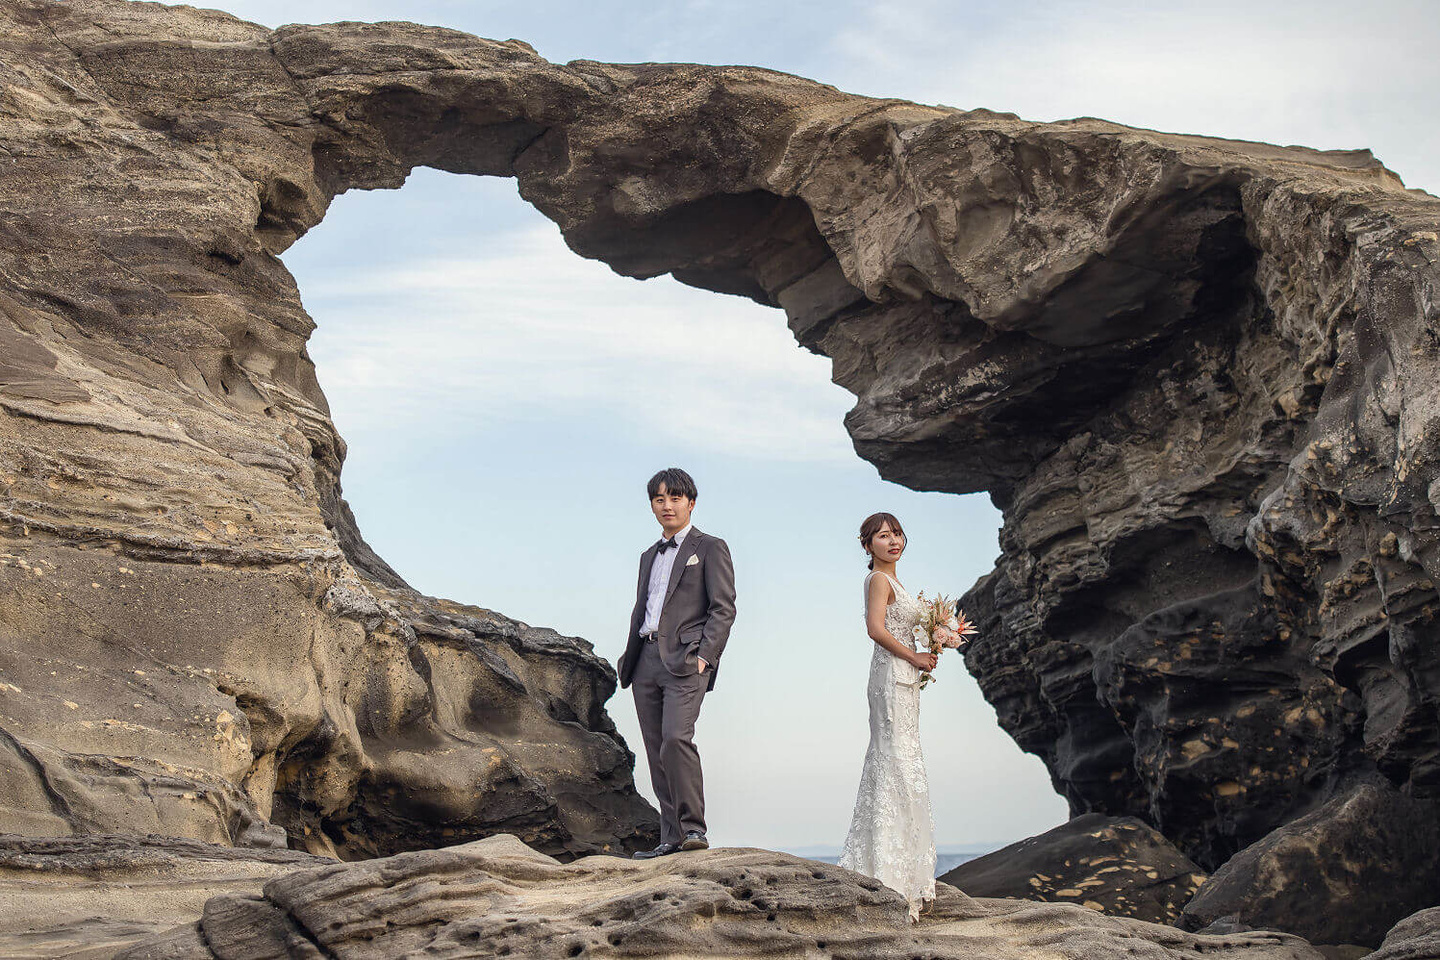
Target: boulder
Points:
(498, 898)
(1118, 865)
(1343, 874)
(1417, 937)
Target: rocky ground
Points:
(1197, 376)
(88, 898)
(498, 898)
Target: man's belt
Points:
(650, 637)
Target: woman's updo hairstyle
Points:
(872, 526)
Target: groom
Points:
(684, 606)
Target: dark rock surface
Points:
(1197, 375)
(1345, 873)
(496, 898)
(1118, 865)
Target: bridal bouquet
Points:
(941, 627)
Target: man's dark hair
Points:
(675, 480)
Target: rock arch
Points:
(1195, 374)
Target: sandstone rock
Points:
(496, 898)
(1118, 865)
(91, 897)
(1196, 375)
(1417, 937)
(1342, 874)
(194, 638)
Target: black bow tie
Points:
(666, 545)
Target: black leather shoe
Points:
(665, 849)
(694, 840)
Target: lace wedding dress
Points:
(892, 834)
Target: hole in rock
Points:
(504, 401)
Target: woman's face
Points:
(887, 544)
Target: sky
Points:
(504, 401)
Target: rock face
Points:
(1118, 865)
(194, 638)
(497, 898)
(1196, 375)
(1303, 877)
(92, 897)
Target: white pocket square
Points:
(692, 561)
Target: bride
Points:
(892, 834)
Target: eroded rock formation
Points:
(497, 898)
(194, 638)
(1196, 375)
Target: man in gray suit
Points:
(684, 606)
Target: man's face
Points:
(671, 509)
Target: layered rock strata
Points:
(1196, 375)
(497, 898)
(88, 898)
(194, 637)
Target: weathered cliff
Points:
(1196, 375)
(194, 638)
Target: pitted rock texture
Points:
(1120, 866)
(1314, 875)
(1196, 375)
(497, 898)
(92, 897)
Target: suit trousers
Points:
(667, 707)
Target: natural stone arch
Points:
(1193, 373)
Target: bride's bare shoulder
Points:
(877, 587)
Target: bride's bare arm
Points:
(877, 597)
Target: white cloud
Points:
(1328, 74)
(533, 331)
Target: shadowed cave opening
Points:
(503, 400)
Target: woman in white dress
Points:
(892, 834)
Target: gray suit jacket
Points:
(699, 609)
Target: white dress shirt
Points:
(660, 582)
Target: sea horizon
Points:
(947, 857)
